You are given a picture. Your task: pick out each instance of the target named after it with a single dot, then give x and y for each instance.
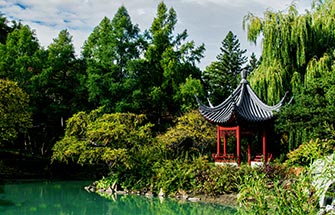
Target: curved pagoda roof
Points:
(242, 105)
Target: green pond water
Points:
(69, 198)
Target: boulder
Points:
(161, 193)
(194, 199)
(323, 173)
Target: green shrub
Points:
(191, 133)
(102, 138)
(308, 152)
(259, 194)
(15, 117)
(218, 180)
(178, 174)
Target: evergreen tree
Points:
(168, 62)
(107, 53)
(58, 93)
(59, 83)
(253, 64)
(4, 28)
(21, 57)
(222, 76)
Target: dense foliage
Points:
(261, 194)
(167, 75)
(297, 56)
(309, 152)
(291, 41)
(108, 51)
(313, 109)
(5, 28)
(15, 117)
(191, 134)
(21, 57)
(144, 132)
(102, 138)
(153, 73)
(124, 143)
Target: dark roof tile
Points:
(243, 104)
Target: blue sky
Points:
(207, 21)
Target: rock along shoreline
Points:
(225, 199)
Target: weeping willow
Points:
(290, 41)
(317, 68)
(297, 50)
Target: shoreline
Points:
(229, 200)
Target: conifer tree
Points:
(107, 53)
(167, 69)
(222, 76)
(253, 64)
(4, 28)
(21, 57)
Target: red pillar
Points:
(249, 154)
(264, 146)
(224, 143)
(238, 143)
(218, 141)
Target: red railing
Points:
(227, 158)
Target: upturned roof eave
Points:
(242, 105)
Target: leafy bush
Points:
(14, 115)
(218, 180)
(178, 174)
(258, 194)
(95, 138)
(191, 133)
(308, 152)
(182, 175)
(226, 179)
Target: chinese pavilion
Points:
(242, 113)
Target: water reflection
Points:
(69, 198)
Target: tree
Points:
(60, 80)
(313, 110)
(191, 134)
(4, 28)
(21, 58)
(96, 138)
(222, 76)
(58, 92)
(168, 61)
(107, 52)
(15, 117)
(297, 56)
(290, 41)
(253, 64)
(21, 62)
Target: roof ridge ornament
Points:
(244, 73)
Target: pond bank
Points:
(224, 199)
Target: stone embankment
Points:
(227, 199)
